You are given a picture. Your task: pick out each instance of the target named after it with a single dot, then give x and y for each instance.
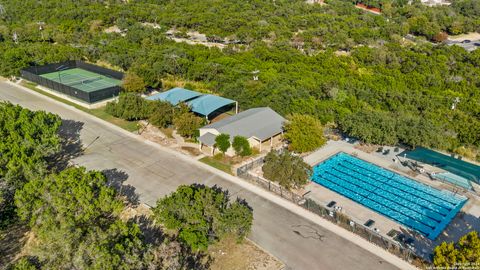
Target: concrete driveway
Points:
(152, 173)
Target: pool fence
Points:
(341, 219)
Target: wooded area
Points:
(76, 217)
(335, 62)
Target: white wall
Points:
(204, 131)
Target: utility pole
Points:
(255, 74)
(455, 103)
(40, 28)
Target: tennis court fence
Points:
(34, 73)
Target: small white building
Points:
(259, 125)
(433, 3)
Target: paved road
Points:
(154, 172)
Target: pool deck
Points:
(465, 221)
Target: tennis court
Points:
(81, 79)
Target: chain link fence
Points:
(34, 73)
(338, 218)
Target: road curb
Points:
(353, 238)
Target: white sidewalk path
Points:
(357, 240)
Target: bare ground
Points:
(12, 241)
(228, 254)
(469, 36)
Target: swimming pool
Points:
(413, 204)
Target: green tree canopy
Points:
(343, 62)
(162, 114)
(304, 133)
(222, 142)
(465, 252)
(23, 264)
(75, 217)
(129, 106)
(286, 169)
(187, 124)
(27, 140)
(74, 196)
(133, 83)
(241, 146)
(201, 215)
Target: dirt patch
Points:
(367, 148)
(132, 212)
(469, 36)
(191, 151)
(12, 242)
(220, 117)
(156, 135)
(227, 254)
(168, 132)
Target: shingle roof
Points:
(175, 95)
(261, 123)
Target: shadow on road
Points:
(116, 179)
(71, 145)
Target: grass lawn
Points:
(99, 112)
(218, 163)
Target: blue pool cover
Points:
(413, 204)
(459, 167)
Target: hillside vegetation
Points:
(334, 62)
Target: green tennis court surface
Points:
(81, 79)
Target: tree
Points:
(371, 127)
(304, 133)
(187, 124)
(162, 114)
(440, 37)
(286, 169)
(74, 196)
(130, 107)
(75, 217)
(27, 141)
(202, 215)
(133, 83)
(465, 252)
(241, 146)
(222, 142)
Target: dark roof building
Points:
(257, 125)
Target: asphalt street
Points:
(152, 173)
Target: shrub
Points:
(286, 169)
(129, 107)
(202, 215)
(133, 83)
(187, 124)
(162, 114)
(222, 142)
(241, 146)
